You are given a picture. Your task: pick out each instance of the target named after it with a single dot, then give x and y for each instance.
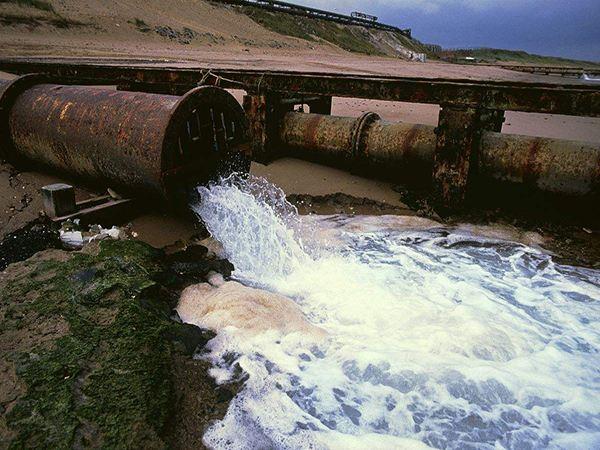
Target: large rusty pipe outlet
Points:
(157, 145)
(406, 151)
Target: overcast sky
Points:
(569, 28)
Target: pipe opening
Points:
(211, 141)
(156, 146)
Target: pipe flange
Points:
(9, 92)
(359, 132)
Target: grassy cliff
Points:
(496, 55)
(352, 38)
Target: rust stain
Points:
(310, 135)
(409, 140)
(531, 169)
(117, 138)
(65, 109)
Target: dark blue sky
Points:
(569, 28)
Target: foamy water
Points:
(433, 337)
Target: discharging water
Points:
(434, 337)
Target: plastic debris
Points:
(74, 238)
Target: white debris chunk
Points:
(72, 239)
(76, 239)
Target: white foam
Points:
(433, 335)
(221, 305)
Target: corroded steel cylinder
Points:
(552, 165)
(403, 150)
(326, 136)
(406, 152)
(160, 145)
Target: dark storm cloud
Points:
(569, 28)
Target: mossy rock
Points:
(88, 349)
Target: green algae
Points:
(107, 380)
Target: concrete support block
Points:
(59, 200)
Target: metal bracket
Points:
(264, 112)
(458, 137)
(457, 149)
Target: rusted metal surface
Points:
(94, 133)
(458, 134)
(255, 107)
(406, 153)
(573, 99)
(9, 91)
(318, 136)
(264, 114)
(142, 143)
(552, 165)
(402, 151)
(470, 109)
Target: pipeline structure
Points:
(466, 147)
(145, 144)
(407, 152)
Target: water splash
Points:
(435, 336)
(267, 246)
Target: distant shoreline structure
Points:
(360, 19)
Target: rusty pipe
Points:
(407, 152)
(157, 145)
(327, 136)
(551, 165)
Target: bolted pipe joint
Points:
(366, 144)
(406, 153)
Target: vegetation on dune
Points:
(311, 30)
(140, 24)
(493, 55)
(58, 21)
(37, 4)
(52, 18)
(348, 37)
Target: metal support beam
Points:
(264, 112)
(573, 99)
(458, 137)
(152, 88)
